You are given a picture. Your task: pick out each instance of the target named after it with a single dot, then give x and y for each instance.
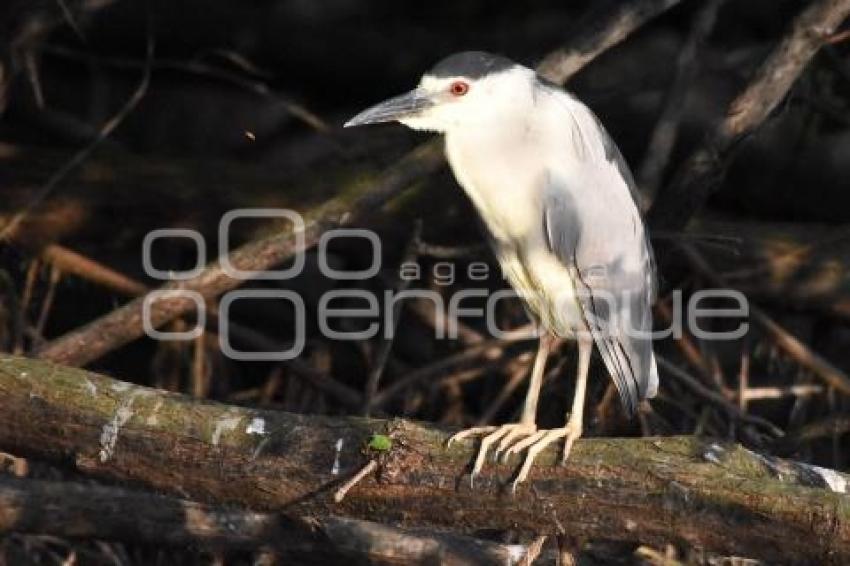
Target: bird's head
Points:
(469, 89)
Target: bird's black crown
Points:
(471, 64)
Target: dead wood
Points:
(800, 265)
(787, 342)
(84, 511)
(656, 490)
(666, 131)
(597, 33)
(702, 172)
(123, 325)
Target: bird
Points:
(561, 211)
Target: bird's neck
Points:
(497, 170)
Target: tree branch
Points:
(597, 33)
(666, 130)
(703, 172)
(124, 324)
(720, 497)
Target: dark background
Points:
(215, 130)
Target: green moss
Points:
(380, 443)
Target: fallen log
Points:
(683, 490)
(86, 511)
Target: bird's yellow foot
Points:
(538, 441)
(506, 435)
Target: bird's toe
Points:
(468, 433)
(516, 433)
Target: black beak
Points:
(396, 108)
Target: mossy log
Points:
(717, 496)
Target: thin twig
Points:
(518, 371)
(23, 305)
(838, 424)
(200, 369)
(744, 377)
(200, 68)
(34, 78)
(797, 254)
(838, 37)
(74, 263)
(664, 135)
(791, 345)
(47, 302)
(445, 322)
(69, 17)
(694, 385)
(105, 131)
(686, 346)
(383, 352)
(449, 252)
(767, 393)
(10, 302)
(340, 493)
(440, 366)
(533, 551)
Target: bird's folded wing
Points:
(593, 226)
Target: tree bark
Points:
(597, 33)
(655, 490)
(75, 510)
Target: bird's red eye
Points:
(459, 88)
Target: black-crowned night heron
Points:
(561, 210)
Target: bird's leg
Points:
(573, 428)
(528, 420)
(576, 419)
(509, 433)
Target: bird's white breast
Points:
(497, 172)
(503, 173)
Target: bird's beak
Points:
(399, 107)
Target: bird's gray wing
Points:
(594, 228)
